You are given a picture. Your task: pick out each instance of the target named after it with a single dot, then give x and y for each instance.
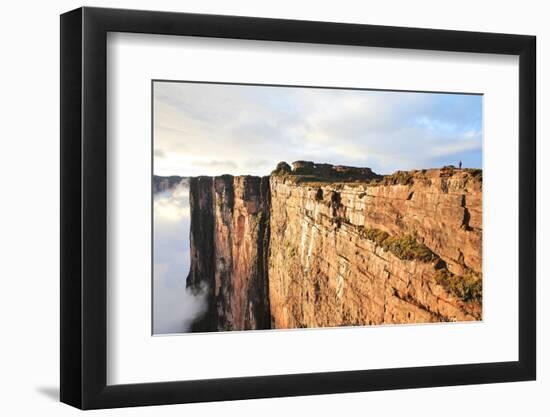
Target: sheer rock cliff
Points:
(229, 244)
(318, 245)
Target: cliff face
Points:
(373, 253)
(229, 243)
(310, 248)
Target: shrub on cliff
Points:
(404, 247)
(282, 168)
(399, 178)
(467, 287)
(408, 248)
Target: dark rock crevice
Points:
(201, 273)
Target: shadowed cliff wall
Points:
(229, 243)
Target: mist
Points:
(175, 307)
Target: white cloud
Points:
(175, 306)
(213, 129)
(171, 207)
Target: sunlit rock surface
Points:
(320, 245)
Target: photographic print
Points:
(286, 207)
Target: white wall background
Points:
(29, 173)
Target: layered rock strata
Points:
(320, 246)
(328, 266)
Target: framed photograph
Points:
(256, 208)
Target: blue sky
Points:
(215, 129)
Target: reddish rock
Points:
(291, 251)
(323, 272)
(229, 243)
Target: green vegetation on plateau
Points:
(404, 247)
(467, 287)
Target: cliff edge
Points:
(317, 245)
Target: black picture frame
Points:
(84, 207)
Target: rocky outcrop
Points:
(328, 172)
(161, 183)
(375, 252)
(320, 245)
(229, 244)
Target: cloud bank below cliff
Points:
(175, 307)
(214, 129)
